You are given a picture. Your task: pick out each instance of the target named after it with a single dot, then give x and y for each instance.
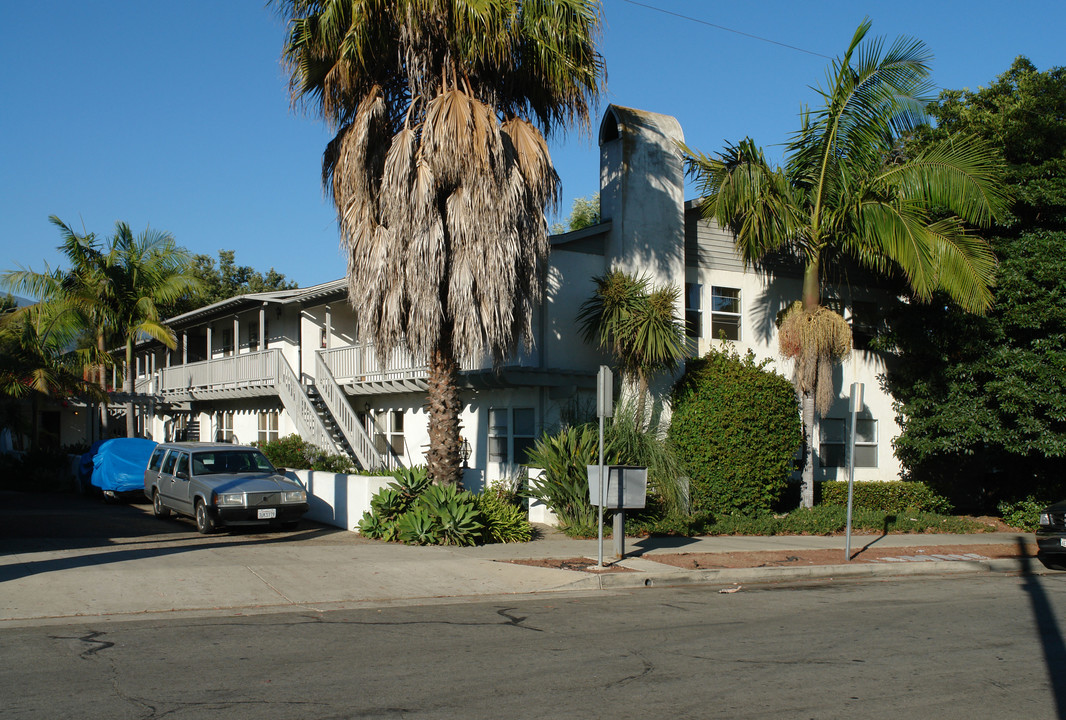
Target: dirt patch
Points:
(792, 558)
(582, 564)
(796, 558)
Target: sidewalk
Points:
(46, 579)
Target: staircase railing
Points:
(347, 419)
(302, 410)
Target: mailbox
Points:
(627, 486)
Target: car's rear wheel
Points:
(158, 509)
(204, 524)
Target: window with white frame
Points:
(512, 433)
(694, 310)
(833, 442)
(224, 426)
(268, 426)
(227, 341)
(396, 442)
(725, 313)
(253, 336)
(498, 432)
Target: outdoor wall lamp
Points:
(464, 452)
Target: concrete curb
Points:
(733, 576)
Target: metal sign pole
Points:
(856, 406)
(604, 409)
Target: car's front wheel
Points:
(204, 524)
(158, 509)
(1052, 562)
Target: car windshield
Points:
(230, 461)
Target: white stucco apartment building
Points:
(262, 366)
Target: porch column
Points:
(152, 385)
(184, 347)
(329, 328)
(262, 327)
(236, 336)
(210, 349)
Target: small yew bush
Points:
(736, 427)
(890, 497)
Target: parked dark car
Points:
(1051, 536)
(219, 484)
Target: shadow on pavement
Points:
(1047, 626)
(32, 523)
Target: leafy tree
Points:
(35, 361)
(638, 325)
(736, 428)
(585, 212)
(847, 191)
(982, 400)
(224, 280)
(439, 170)
(76, 299)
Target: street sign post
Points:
(855, 407)
(604, 409)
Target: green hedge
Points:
(736, 428)
(892, 496)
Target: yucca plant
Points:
(564, 487)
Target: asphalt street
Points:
(967, 647)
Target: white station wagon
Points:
(219, 484)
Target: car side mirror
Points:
(181, 475)
(280, 471)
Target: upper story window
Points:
(253, 336)
(725, 313)
(227, 341)
(694, 310)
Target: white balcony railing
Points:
(228, 373)
(359, 363)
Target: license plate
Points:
(1062, 542)
(268, 513)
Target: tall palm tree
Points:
(439, 169)
(849, 190)
(638, 325)
(142, 273)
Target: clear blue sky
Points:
(176, 114)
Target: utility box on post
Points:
(627, 486)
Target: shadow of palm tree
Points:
(1051, 641)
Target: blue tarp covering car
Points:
(119, 464)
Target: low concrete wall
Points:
(337, 499)
(538, 511)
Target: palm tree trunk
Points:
(102, 349)
(443, 457)
(127, 384)
(812, 294)
(807, 488)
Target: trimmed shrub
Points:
(736, 427)
(892, 497)
(1022, 514)
(292, 452)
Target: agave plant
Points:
(410, 482)
(418, 526)
(456, 512)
